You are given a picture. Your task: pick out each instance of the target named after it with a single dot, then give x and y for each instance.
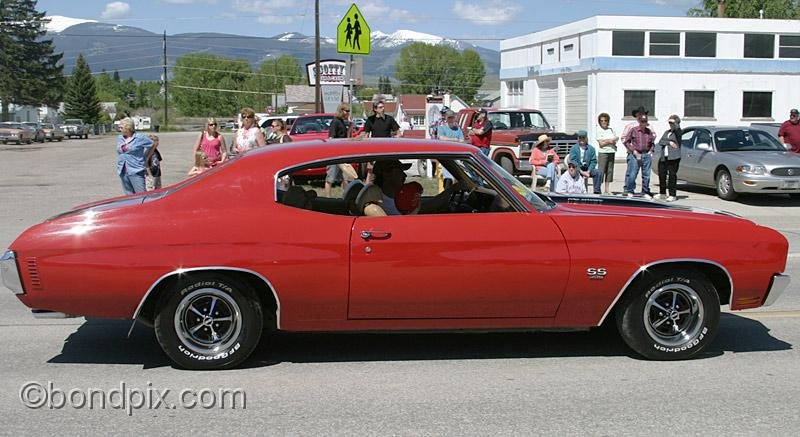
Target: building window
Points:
(626, 43)
(698, 104)
(757, 45)
(515, 87)
(789, 46)
(569, 47)
(701, 45)
(551, 51)
(637, 98)
(417, 120)
(665, 44)
(756, 104)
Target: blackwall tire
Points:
(674, 316)
(507, 164)
(210, 321)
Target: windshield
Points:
(315, 124)
(735, 140)
(517, 120)
(534, 200)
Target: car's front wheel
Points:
(674, 316)
(209, 322)
(725, 189)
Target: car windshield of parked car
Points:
(314, 124)
(740, 140)
(517, 120)
(534, 200)
(7, 125)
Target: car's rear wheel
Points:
(675, 317)
(725, 189)
(209, 322)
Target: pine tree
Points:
(81, 99)
(29, 70)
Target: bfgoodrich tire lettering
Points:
(674, 316)
(210, 321)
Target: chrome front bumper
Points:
(779, 284)
(765, 184)
(9, 270)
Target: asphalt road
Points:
(587, 383)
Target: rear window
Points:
(313, 124)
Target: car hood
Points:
(646, 207)
(767, 158)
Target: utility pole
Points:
(317, 89)
(721, 8)
(165, 77)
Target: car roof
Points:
(723, 127)
(297, 152)
(325, 114)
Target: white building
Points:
(706, 70)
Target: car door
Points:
(471, 265)
(688, 155)
(705, 158)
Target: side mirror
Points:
(704, 146)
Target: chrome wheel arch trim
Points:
(207, 268)
(659, 262)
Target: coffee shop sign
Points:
(332, 72)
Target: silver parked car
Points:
(738, 159)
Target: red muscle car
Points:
(487, 253)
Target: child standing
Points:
(153, 160)
(200, 163)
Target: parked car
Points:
(472, 258)
(75, 127)
(38, 131)
(13, 132)
(53, 132)
(738, 159)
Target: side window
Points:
(687, 139)
(703, 137)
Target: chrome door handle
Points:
(375, 234)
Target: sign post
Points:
(352, 36)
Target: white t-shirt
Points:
(606, 134)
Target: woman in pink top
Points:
(212, 143)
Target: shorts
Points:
(333, 174)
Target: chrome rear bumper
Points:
(10, 272)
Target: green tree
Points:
(384, 85)
(205, 85)
(777, 9)
(271, 77)
(424, 69)
(81, 99)
(29, 70)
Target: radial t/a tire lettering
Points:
(210, 321)
(673, 316)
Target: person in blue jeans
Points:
(640, 143)
(132, 148)
(585, 158)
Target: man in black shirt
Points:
(381, 125)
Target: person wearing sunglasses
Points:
(249, 136)
(212, 143)
(380, 124)
(279, 135)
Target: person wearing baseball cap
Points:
(433, 129)
(789, 133)
(390, 176)
(571, 182)
(584, 155)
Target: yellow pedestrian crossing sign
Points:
(352, 35)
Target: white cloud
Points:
(115, 10)
(272, 11)
(487, 12)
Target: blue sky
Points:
(482, 23)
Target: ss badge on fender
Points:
(596, 273)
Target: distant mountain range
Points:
(138, 53)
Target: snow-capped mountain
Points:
(402, 37)
(58, 23)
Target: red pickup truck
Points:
(514, 133)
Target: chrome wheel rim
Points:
(208, 321)
(673, 314)
(724, 183)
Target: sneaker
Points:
(629, 195)
(647, 196)
(671, 199)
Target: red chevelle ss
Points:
(486, 253)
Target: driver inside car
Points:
(390, 176)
